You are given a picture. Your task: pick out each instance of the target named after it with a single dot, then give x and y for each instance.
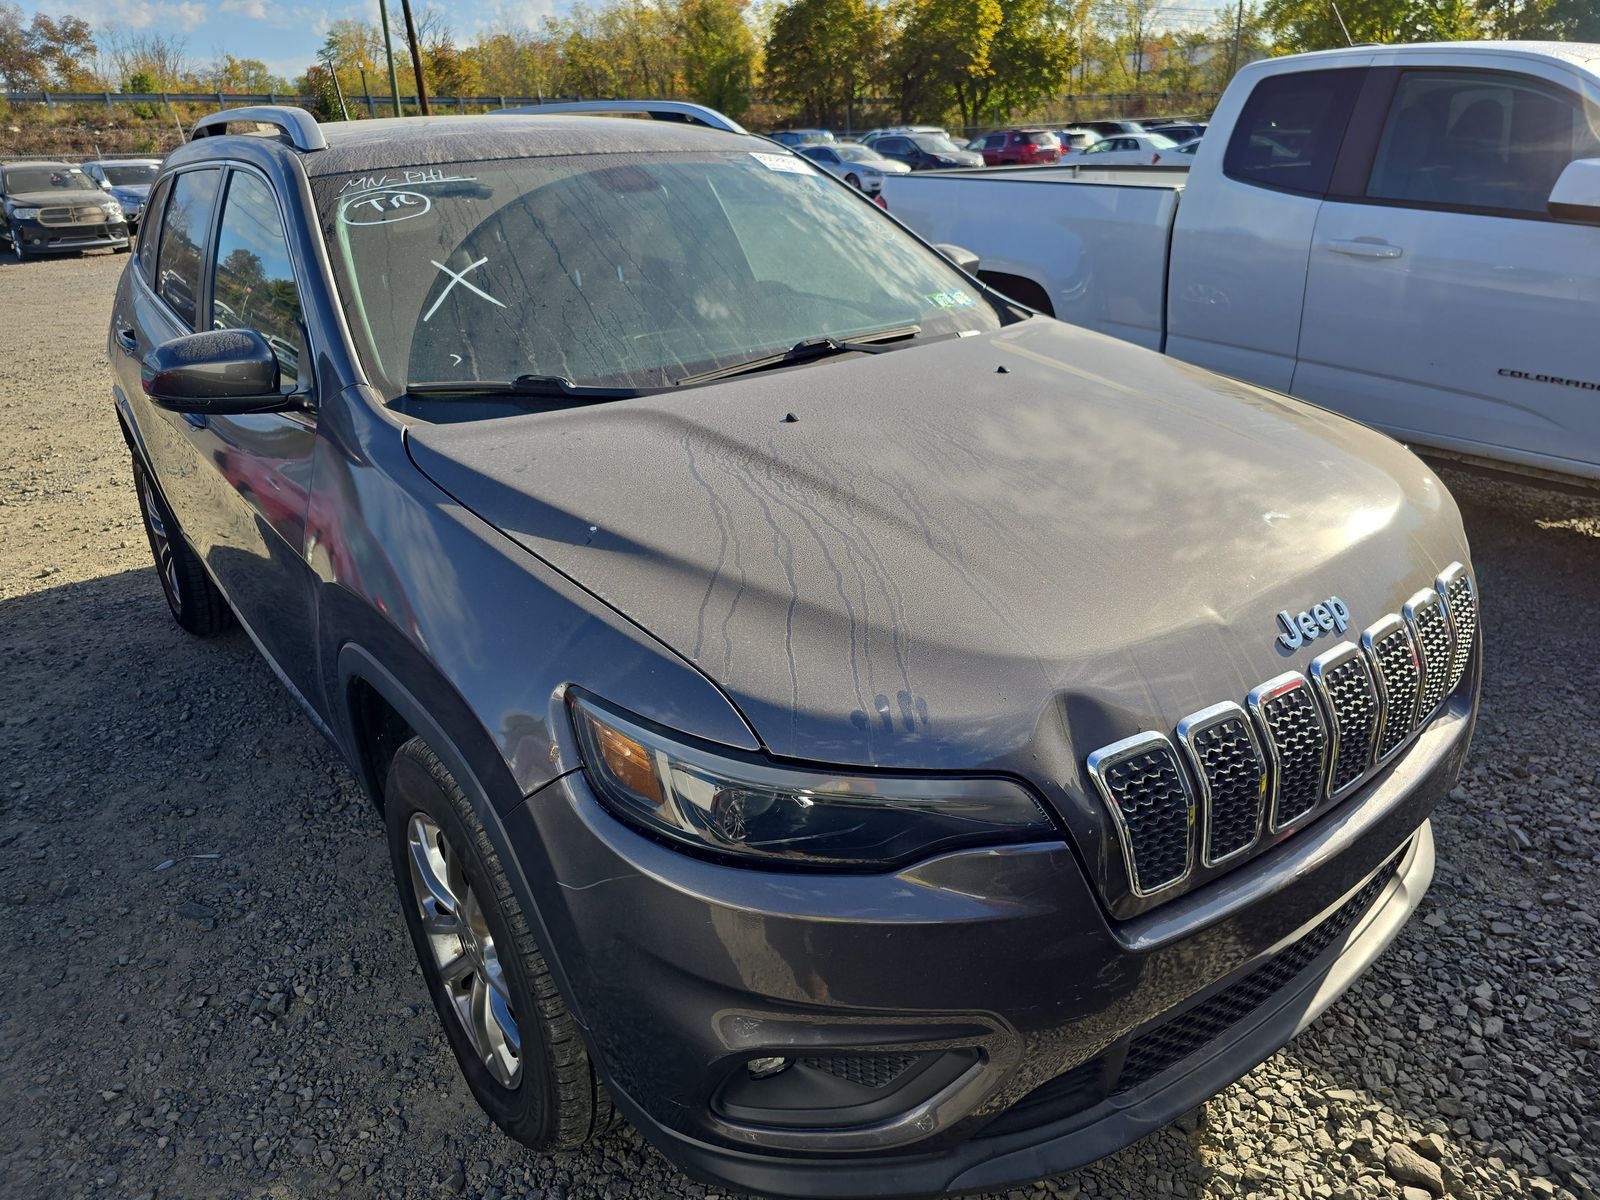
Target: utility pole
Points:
(388, 53)
(416, 57)
(344, 113)
(1238, 33)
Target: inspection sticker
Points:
(781, 162)
(950, 300)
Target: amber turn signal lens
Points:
(629, 762)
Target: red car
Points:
(1014, 146)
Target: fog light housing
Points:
(766, 1068)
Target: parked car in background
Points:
(1184, 132)
(1107, 129)
(1128, 150)
(860, 166)
(873, 135)
(128, 180)
(1075, 141)
(53, 207)
(1407, 234)
(803, 137)
(925, 151)
(1188, 148)
(1048, 822)
(1011, 147)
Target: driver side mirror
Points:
(1576, 195)
(964, 259)
(220, 372)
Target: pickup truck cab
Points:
(1404, 234)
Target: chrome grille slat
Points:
(1430, 630)
(1349, 696)
(1393, 656)
(1296, 740)
(1231, 769)
(1461, 602)
(1148, 796)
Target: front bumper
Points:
(997, 967)
(39, 238)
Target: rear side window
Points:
(1039, 139)
(150, 231)
(252, 285)
(1289, 132)
(1464, 139)
(183, 230)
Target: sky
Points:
(284, 34)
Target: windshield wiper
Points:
(523, 385)
(808, 351)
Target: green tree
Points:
(42, 52)
(1029, 59)
(1298, 25)
(942, 55)
(719, 53)
(821, 54)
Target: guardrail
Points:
(241, 99)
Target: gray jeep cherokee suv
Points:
(884, 740)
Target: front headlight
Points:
(872, 172)
(25, 214)
(114, 209)
(753, 809)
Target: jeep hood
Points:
(989, 552)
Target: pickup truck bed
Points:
(1098, 234)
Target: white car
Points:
(1128, 150)
(862, 167)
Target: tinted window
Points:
(21, 180)
(892, 145)
(150, 231)
(1038, 139)
(252, 286)
(135, 175)
(1289, 132)
(183, 231)
(1478, 140)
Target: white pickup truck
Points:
(1406, 234)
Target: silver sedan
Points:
(862, 167)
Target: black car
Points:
(50, 207)
(128, 180)
(849, 723)
(925, 151)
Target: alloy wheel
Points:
(463, 949)
(160, 542)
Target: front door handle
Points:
(128, 341)
(1365, 248)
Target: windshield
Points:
(47, 179)
(856, 152)
(935, 143)
(620, 270)
(133, 176)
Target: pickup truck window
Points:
(1289, 131)
(183, 230)
(1478, 140)
(621, 270)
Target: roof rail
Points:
(658, 110)
(295, 125)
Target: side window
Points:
(183, 230)
(1290, 129)
(150, 231)
(1478, 140)
(252, 284)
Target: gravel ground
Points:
(206, 989)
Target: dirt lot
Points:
(205, 988)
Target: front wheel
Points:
(17, 247)
(517, 1045)
(854, 181)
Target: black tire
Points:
(17, 247)
(854, 181)
(556, 1102)
(196, 604)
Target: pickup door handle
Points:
(127, 340)
(1365, 248)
